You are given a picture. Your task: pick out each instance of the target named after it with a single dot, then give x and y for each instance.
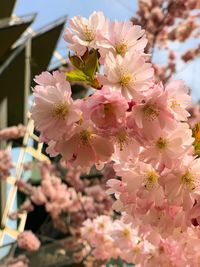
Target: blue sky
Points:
(50, 10)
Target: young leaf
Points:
(77, 76)
(76, 61)
(95, 84)
(196, 135)
(86, 68)
(91, 64)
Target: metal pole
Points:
(27, 82)
(3, 124)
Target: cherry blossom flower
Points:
(169, 148)
(83, 33)
(5, 164)
(179, 99)
(85, 147)
(130, 74)
(54, 111)
(122, 37)
(153, 113)
(28, 241)
(183, 184)
(13, 132)
(106, 109)
(20, 261)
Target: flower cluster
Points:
(20, 261)
(8, 133)
(168, 20)
(68, 207)
(86, 131)
(28, 241)
(5, 163)
(143, 247)
(13, 132)
(138, 124)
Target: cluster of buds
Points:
(67, 206)
(168, 21)
(5, 164)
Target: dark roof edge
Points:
(9, 22)
(42, 30)
(12, 56)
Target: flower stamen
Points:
(85, 137)
(60, 110)
(161, 143)
(89, 34)
(174, 104)
(151, 112)
(121, 49)
(126, 232)
(188, 180)
(125, 79)
(121, 139)
(108, 109)
(151, 179)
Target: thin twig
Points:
(160, 27)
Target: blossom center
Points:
(151, 179)
(125, 79)
(108, 109)
(121, 139)
(121, 49)
(188, 180)
(88, 34)
(174, 104)
(85, 137)
(136, 249)
(60, 110)
(161, 143)
(151, 112)
(101, 225)
(126, 232)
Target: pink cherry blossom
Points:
(5, 164)
(122, 37)
(106, 109)
(28, 241)
(137, 126)
(48, 79)
(83, 32)
(54, 111)
(179, 99)
(20, 261)
(85, 147)
(37, 196)
(169, 148)
(153, 113)
(183, 184)
(13, 132)
(130, 74)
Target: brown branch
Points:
(160, 28)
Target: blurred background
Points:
(31, 34)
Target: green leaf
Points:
(77, 62)
(91, 64)
(86, 68)
(77, 76)
(196, 135)
(117, 262)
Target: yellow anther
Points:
(60, 110)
